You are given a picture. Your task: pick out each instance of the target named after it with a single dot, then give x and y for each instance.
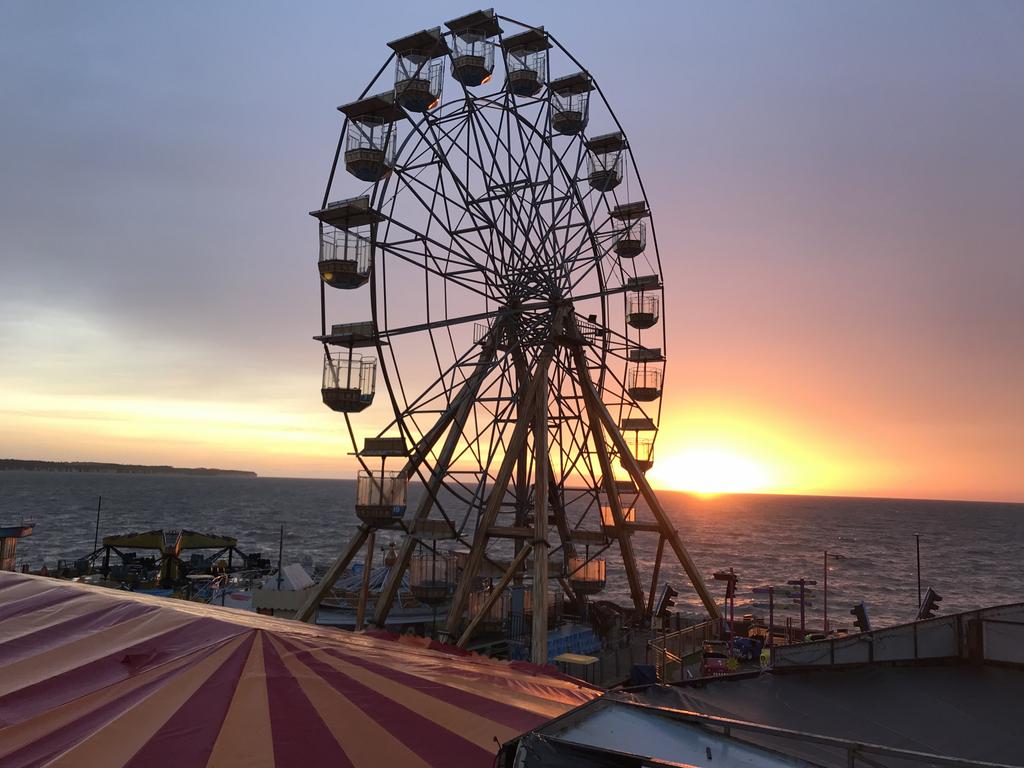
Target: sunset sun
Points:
(710, 471)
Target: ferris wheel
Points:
(491, 260)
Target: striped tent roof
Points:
(93, 676)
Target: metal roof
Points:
(477, 21)
(426, 41)
(578, 82)
(348, 214)
(630, 211)
(962, 712)
(381, 106)
(530, 41)
(608, 142)
(616, 730)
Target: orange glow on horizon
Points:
(711, 471)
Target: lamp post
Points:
(917, 537)
(803, 584)
(824, 599)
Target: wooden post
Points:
(365, 591)
(825, 604)
(308, 609)
(540, 526)
(280, 556)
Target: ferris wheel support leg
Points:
(521, 483)
(308, 610)
(558, 512)
(365, 590)
(592, 403)
(463, 403)
(668, 530)
(554, 500)
(539, 640)
(501, 480)
(654, 577)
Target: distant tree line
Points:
(129, 469)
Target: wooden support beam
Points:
(308, 609)
(539, 636)
(591, 403)
(495, 593)
(648, 527)
(522, 490)
(519, 532)
(668, 530)
(501, 480)
(569, 591)
(464, 400)
(558, 512)
(588, 537)
(364, 592)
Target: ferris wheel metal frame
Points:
(533, 312)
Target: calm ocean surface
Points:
(970, 551)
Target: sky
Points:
(838, 190)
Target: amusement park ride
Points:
(507, 259)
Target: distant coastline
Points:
(23, 465)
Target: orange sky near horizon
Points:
(702, 447)
(836, 189)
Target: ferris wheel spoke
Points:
(422, 259)
(437, 192)
(501, 217)
(458, 244)
(465, 200)
(442, 390)
(512, 182)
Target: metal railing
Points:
(412, 66)
(533, 61)
(474, 45)
(605, 162)
(344, 372)
(641, 304)
(366, 134)
(643, 377)
(667, 651)
(345, 245)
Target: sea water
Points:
(970, 551)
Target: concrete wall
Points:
(1003, 641)
(941, 637)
